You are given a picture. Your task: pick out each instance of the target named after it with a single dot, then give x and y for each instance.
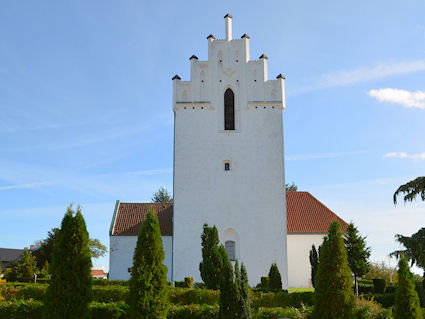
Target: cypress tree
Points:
(26, 266)
(275, 281)
(238, 298)
(228, 301)
(357, 253)
(406, 298)
(245, 312)
(212, 263)
(69, 291)
(314, 262)
(333, 296)
(148, 283)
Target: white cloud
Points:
(364, 74)
(29, 185)
(405, 155)
(397, 96)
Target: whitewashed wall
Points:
(121, 256)
(299, 268)
(247, 202)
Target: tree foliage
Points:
(381, 270)
(44, 252)
(234, 290)
(148, 283)
(314, 262)
(415, 249)
(411, 189)
(357, 253)
(26, 266)
(212, 260)
(406, 299)
(69, 292)
(275, 280)
(161, 196)
(333, 296)
(291, 187)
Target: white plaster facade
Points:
(246, 203)
(121, 255)
(299, 268)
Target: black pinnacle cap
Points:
(263, 56)
(245, 36)
(280, 76)
(193, 57)
(211, 36)
(228, 16)
(176, 77)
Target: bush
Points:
(180, 296)
(369, 309)
(108, 310)
(275, 280)
(385, 300)
(421, 292)
(188, 282)
(193, 312)
(289, 313)
(106, 282)
(379, 285)
(282, 299)
(333, 296)
(19, 309)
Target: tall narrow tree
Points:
(69, 291)
(245, 312)
(212, 263)
(406, 298)
(357, 253)
(314, 262)
(148, 283)
(333, 296)
(275, 280)
(228, 301)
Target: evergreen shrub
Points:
(406, 298)
(20, 309)
(379, 285)
(385, 300)
(106, 282)
(188, 282)
(333, 295)
(183, 296)
(275, 280)
(193, 312)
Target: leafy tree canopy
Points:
(161, 196)
(411, 189)
(291, 187)
(45, 248)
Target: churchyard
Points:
(223, 294)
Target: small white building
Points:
(308, 222)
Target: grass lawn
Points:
(301, 290)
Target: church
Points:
(229, 172)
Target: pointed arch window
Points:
(229, 110)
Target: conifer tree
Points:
(212, 263)
(357, 253)
(275, 281)
(228, 301)
(333, 296)
(238, 285)
(148, 283)
(245, 312)
(69, 291)
(406, 298)
(26, 266)
(314, 262)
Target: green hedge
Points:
(386, 300)
(184, 296)
(193, 312)
(275, 313)
(20, 309)
(282, 299)
(106, 282)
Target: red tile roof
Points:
(130, 217)
(305, 214)
(98, 272)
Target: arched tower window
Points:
(230, 247)
(229, 110)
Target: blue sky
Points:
(86, 104)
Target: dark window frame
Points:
(229, 110)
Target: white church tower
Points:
(229, 160)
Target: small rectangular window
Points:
(227, 166)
